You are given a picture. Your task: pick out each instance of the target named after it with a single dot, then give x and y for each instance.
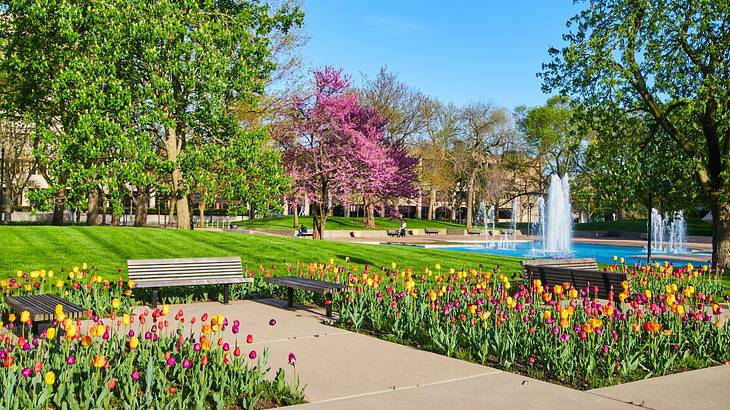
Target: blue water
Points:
(602, 253)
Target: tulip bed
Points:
(129, 361)
(669, 320)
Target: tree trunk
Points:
(103, 209)
(470, 200)
(319, 219)
(59, 206)
(115, 219)
(432, 205)
(720, 232)
(201, 213)
(92, 214)
(621, 214)
(172, 146)
(171, 211)
(7, 202)
(140, 207)
(296, 215)
(369, 215)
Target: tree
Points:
(335, 146)
(437, 175)
(668, 58)
(551, 133)
(198, 59)
(484, 134)
(18, 164)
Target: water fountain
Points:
(668, 235)
(557, 217)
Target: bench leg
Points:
(39, 327)
(290, 298)
(153, 302)
(226, 294)
(328, 304)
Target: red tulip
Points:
(249, 339)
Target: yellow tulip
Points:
(11, 317)
(133, 342)
(75, 269)
(393, 265)
(165, 310)
(51, 333)
(99, 361)
(59, 283)
(50, 273)
(24, 316)
(115, 303)
(547, 314)
(437, 266)
(71, 331)
(50, 377)
(680, 310)
(83, 266)
(125, 320)
(131, 284)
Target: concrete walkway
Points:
(346, 370)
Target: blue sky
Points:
(457, 51)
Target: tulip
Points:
(50, 378)
(136, 375)
(26, 372)
(51, 333)
(292, 359)
(187, 363)
(237, 351)
(249, 339)
(272, 322)
(71, 360)
(171, 361)
(204, 360)
(252, 355)
(112, 383)
(99, 361)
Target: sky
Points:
(457, 51)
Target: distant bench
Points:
(431, 231)
(42, 309)
(296, 282)
(473, 232)
(162, 273)
(582, 273)
(392, 232)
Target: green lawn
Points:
(695, 226)
(107, 248)
(342, 223)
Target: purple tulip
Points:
(147, 336)
(531, 360)
(3, 355)
(252, 355)
(171, 361)
(105, 336)
(71, 360)
(564, 337)
(136, 375)
(226, 347)
(187, 363)
(26, 346)
(196, 347)
(131, 333)
(234, 329)
(604, 348)
(26, 372)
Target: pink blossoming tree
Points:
(335, 147)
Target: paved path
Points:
(345, 370)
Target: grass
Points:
(695, 226)
(342, 223)
(51, 248)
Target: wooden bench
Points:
(296, 282)
(473, 232)
(392, 232)
(297, 234)
(161, 273)
(42, 309)
(431, 231)
(582, 273)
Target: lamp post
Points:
(528, 207)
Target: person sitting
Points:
(302, 231)
(402, 230)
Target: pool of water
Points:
(602, 253)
